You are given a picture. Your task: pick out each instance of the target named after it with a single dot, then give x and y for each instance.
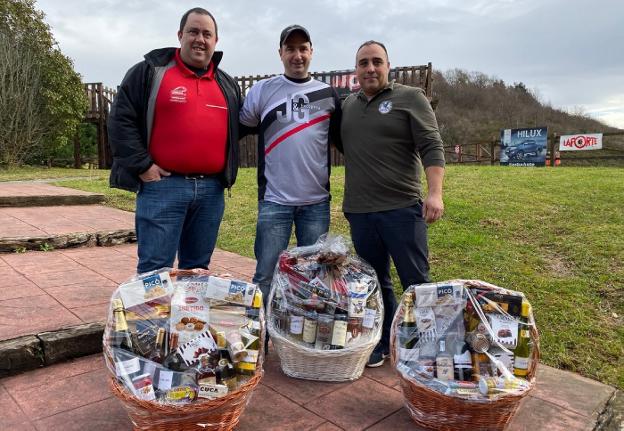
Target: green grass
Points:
(41, 173)
(554, 234)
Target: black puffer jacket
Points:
(131, 119)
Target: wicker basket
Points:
(322, 365)
(433, 410)
(298, 360)
(218, 414)
(204, 414)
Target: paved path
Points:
(36, 189)
(43, 291)
(75, 396)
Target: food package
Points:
(324, 297)
(466, 339)
(177, 340)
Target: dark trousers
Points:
(400, 234)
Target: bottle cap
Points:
(117, 304)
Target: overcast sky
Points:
(570, 52)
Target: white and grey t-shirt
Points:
(293, 148)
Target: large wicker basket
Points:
(205, 414)
(310, 363)
(433, 410)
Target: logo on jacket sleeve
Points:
(385, 107)
(178, 95)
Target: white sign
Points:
(581, 142)
(164, 380)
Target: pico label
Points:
(445, 290)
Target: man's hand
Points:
(433, 207)
(154, 173)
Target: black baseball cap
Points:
(292, 28)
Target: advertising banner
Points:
(581, 142)
(345, 83)
(524, 147)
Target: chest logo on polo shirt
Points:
(385, 107)
(178, 95)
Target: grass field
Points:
(38, 173)
(555, 234)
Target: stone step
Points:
(28, 194)
(83, 239)
(58, 227)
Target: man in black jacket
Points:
(173, 131)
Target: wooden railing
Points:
(100, 101)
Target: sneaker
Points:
(377, 358)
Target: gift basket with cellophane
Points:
(465, 352)
(325, 311)
(184, 349)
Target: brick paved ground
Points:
(75, 396)
(43, 291)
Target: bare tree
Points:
(21, 120)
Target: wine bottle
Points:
(121, 334)
(339, 333)
(444, 363)
(408, 335)
(158, 354)
(522, 351)
(295, 324)
(462, 362)
(310, 323)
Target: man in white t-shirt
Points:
(296, 116)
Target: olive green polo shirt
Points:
(386, 143)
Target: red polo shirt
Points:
(189, 133)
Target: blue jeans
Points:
(400, 234)
(273, 233)
(180, 215)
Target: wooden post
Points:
(429, 83)
(100, 126)
(552, 149)
(492, 149)
(77, 163)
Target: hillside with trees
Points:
(474, 107)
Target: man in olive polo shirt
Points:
(389, 132)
